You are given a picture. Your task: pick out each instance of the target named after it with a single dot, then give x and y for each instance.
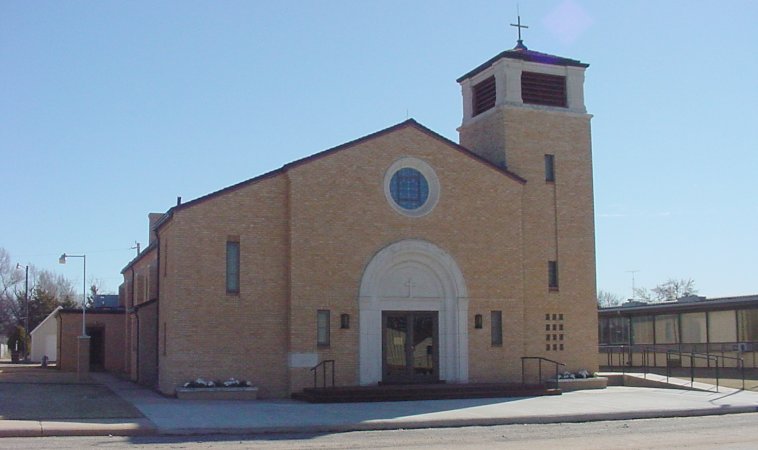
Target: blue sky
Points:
(110, 110)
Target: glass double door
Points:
(409, 347)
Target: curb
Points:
(45, 428)
(143, 427)
(454, 423)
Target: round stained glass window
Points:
(409, 188)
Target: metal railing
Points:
(693, 356)
(748, 351)
(323, 365)
(557, 364)
(623, 357)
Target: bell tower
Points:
(524, 111)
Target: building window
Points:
(484, 95)
(694, 328)
(496, 325)
(164, 259)
(550, 168)
(552, 275)
(232, 267)
(345, 321)
(543, 89)
(667, 329)
(322, 328)
(409, 188)
(722, 326)
(478, 321)
(747, 325)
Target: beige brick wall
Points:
(341, 219)
(307, 234)
(209, 333)
(558, 222)
(140, 286)
(147, 331)
(70, 328)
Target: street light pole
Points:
(62, 260)
(83, 342)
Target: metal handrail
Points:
(322, 364)
(540, 359)
(709, 358)
(692, 356)
(646, 350)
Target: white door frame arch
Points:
(445, 292)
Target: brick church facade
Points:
(402, 256)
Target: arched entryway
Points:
(413, 296)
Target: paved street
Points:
(736, 431)
(111, 406)
(28, 401)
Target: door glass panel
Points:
(395, 341)
(423, 345)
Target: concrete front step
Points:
(383, 393)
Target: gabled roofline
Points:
(407, 123)
(49, 316)
(153, 245)
(139, 306)
(90, 311)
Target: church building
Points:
(402, 256)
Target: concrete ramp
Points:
(651, 380)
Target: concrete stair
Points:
(408, 392)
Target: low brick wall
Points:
(579, 384)
(226, 393)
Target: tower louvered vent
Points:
(543, 89)
(484, 95)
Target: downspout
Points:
(136, 337)
(158, 309)
(136, 318)
(59, 344)
(288, 279)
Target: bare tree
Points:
(667, 291)
(10, 278)
(607, 299)
(46, 291)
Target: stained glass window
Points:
(409, 188)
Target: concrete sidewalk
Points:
(171, 416)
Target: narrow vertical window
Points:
(552, 275)
(322, 328)
(233, 267)
(496, 324)
(550, 168)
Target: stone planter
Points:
(578, 384)
(217, 393)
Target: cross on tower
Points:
(518, 25)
